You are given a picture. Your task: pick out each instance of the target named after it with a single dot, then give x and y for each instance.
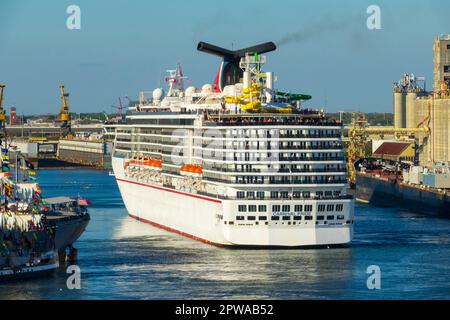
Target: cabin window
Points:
(240, 218)
(242, 208)
(298, 208)
(262, 208)
(339, 207)
(252, 208)
(330, 207)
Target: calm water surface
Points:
(121, 258)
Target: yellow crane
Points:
(359, 134)
(64, 114)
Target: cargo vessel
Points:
(412, 187)
(235, 163)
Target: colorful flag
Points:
(83, 202)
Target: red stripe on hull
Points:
(175, 231)
(169, 190)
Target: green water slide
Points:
(294, 96)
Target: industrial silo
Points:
(411, 97)
(399, 109)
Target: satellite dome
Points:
(157, 94)
(207, 88)
(190, 91)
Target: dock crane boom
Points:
(64, 115)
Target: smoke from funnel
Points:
(311, 31)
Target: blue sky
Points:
(125, 47)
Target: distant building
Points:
(395, 151)
(12, 116)
(416, 107)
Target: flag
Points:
(83, 202)
(29, 165)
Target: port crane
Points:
(359, 134)
(64, 114)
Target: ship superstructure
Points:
(235, 163)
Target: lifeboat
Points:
(191, 170)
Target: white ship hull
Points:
(198, 217)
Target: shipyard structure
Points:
(415, 107)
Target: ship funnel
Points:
(229, 72)
(236, 54)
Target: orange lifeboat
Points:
(191, 170)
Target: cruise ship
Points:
(236, 162)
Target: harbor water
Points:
(121, 258)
